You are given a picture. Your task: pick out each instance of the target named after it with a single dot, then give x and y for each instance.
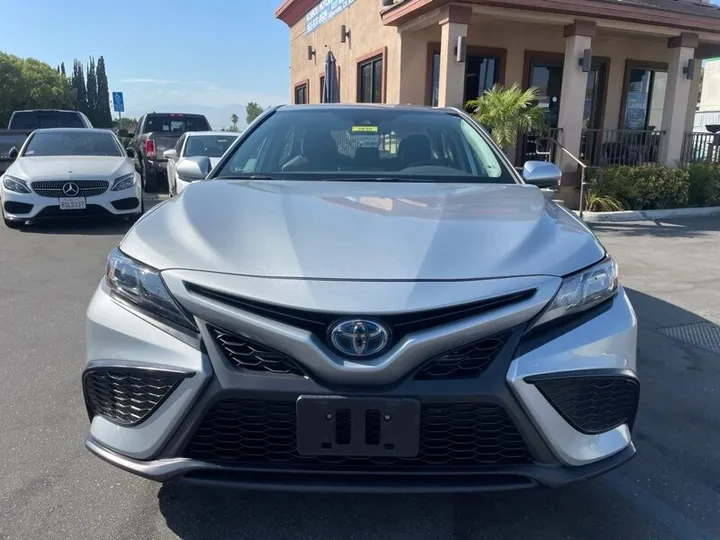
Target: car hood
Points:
(70, 167)
(363, 231)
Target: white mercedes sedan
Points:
(210, 144)
(70, 172)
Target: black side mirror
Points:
(13, 153)
(131, 153)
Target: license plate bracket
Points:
(356, 426)
(72, 203)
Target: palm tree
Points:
(234, 120)
(506, 111)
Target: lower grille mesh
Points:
(249, 432)
(593, 404)
(127, 396)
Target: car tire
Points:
(149, 181)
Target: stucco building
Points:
(643, 55)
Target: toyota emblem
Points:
(70, 189)
(359, 337)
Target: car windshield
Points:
(83, 142)
(46, 119)
(212, 146)
(367, 143)
(175, 123)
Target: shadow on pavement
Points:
(669, 491)
(680, 228)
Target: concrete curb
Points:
(649, 215)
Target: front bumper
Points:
(33, 207)
(556, 450)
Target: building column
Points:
(578, 37)
(677, 96)
(453, 24)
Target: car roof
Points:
(360, 106)
(74, 130)
(219, 133)
(48, 110)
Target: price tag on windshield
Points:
(364, 129)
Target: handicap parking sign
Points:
(118, 103)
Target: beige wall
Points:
(367, 34)
(407, 53)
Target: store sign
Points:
(323, 12)
(636, 110)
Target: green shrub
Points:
(704, 184)
(645, 188)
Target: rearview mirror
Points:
(542, 174)
(194, 168)
(170, 154)
(13, 153)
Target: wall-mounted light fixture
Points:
(585, 61)
(311, 52)
(387, 3)
(690, 69)
(344, 34)
(461, 49)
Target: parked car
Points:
(22, 123)
(157, 132)
(326, 314)
(211, 144)
(68, 172)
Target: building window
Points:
(644, 99)
(301, 94)
(482, 72)
(370, 80)
(322, 87)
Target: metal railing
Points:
(535, 146)
(700, 146)
(608, 147)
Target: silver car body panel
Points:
(367, 299)
(604, 343)
(360, 231)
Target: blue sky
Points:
(163, 54)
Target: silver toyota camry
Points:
(362, 298)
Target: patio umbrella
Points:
(331, 91)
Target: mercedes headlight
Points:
(583, 291)
(15, 184)
(143, 287)
(123, 182)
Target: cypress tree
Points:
(82, 101)
(92, 92)
(103, 95)
(62, 69)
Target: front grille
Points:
(90, 211)
(460, 435)
(400, 324)
(593, 404)
(250, 356)
(464, 362)
(127, 396)
(54, 188)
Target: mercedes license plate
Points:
(72, 203)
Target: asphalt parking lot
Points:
(52, 488)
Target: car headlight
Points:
(143, 287)
(123, 182)
(15, 184)
(583, 290)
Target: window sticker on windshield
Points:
(364, 129)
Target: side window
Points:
(179, 145)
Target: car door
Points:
(172, 164)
